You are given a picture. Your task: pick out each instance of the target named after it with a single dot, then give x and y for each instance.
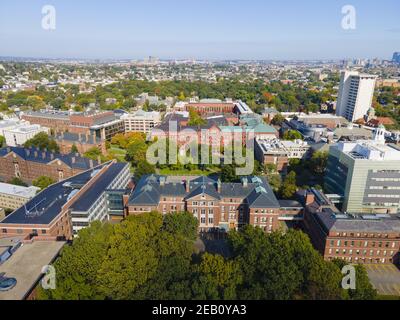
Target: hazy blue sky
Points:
(212, 29)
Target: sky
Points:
(200, 29)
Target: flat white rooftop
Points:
(370, 150)
(25, 192)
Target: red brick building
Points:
(83, 142)
(29, 164)
(217, 206)
(206, 108)
(365, 239)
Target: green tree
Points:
(74, 149)
(2, 141)
(17, 182)
(292, 135)
(228, 173)
(43, 182)
(289, 187)
(93, 153)
(136, 152)
(278, 120)
(216, 278)
(42, 141)
(319, 161)
(144, 168)
(195, 119)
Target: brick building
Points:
(365, 239)
(56, 120)
(216, 205)
(83, 142)
(103, 124)
(64, 208)
(30, 163)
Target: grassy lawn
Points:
(118, 153)
(184, 172)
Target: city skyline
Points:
(259, 30)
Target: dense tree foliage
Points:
(42, 141)
(151, 256)
(43, 182)
(17, 182)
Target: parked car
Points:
(6, 283)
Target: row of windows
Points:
(386, 179)
(20, 231)
(395, 196)
(364, 235)
(384, 188)
(361, 243)
(364, 252)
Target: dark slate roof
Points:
(256, 191)
(93, 193)
(203, 185)
(76, 138)
(289, 204)
(80, 162)
(331, 221)
(46, 206)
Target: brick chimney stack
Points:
(310, 198)
(187, 185)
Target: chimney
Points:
(310, 198)
(187, 185)
(77, 154)
(27, 152)
(35, 154)
(73, 160)
(43, 155)
(162, 181)
(52, 156)
(219, 185)
(90, 163)
(244, 182)
(98, 159)
(80, 137)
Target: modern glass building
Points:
(366, 174)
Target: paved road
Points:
(385, 278)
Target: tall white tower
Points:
(355, 95)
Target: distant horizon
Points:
(168, 59)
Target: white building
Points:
(94, 204)
(355, 95)
(141, 121)
(18, 135)
(13, 197)
(10, 124)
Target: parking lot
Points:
(385, 278)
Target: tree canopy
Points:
(42, 141)
(153, 257)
